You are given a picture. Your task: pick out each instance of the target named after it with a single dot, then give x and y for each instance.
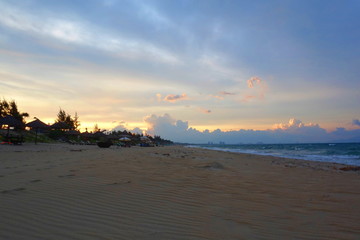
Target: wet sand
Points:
(57, 191)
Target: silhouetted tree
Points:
(10, 108)
(76, 121)
(96, 128)
(73, 123)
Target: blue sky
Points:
(227, 65)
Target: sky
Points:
(190, 71)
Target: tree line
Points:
(73, 123)
(11, 108)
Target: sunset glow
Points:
(166, 67)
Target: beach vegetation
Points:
(11, 108)
(68, 130)
(72, 122)
(30, 136)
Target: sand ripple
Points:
(171, 193)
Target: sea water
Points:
(344, 153)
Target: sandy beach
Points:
(58, 191)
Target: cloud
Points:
(295, 131)
(206, 111)
(222, 94)
(137, 130)
(252, 81)
(119, 127)
(76, 31)
(258, 87)
(293, 124)
(226, 93)
(356, 122)
(217, 97)
(165, 126)
(172, 97)
(150, 13)
(248, 98)
(122, 127)
(256, 90)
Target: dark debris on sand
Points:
(350, 168)
(213, 165)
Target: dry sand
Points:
(84, 192)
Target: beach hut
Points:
(11, 121)
(60, 126)
(113, 136)
(73, 133)
(86, 135)
(100, 135)
(36, 125)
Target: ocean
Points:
(344, 153)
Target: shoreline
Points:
(294, 162)
(67, 191)
(31, 147)
(346, 160)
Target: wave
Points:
(348, 153)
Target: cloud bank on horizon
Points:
(295, 131)
(218, 64)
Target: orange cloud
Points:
(217, 97)
(259, 88)
(172, 97)
(293, 124)
(203, 110)
(248, 98)
(251, 82)
(222, 94)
